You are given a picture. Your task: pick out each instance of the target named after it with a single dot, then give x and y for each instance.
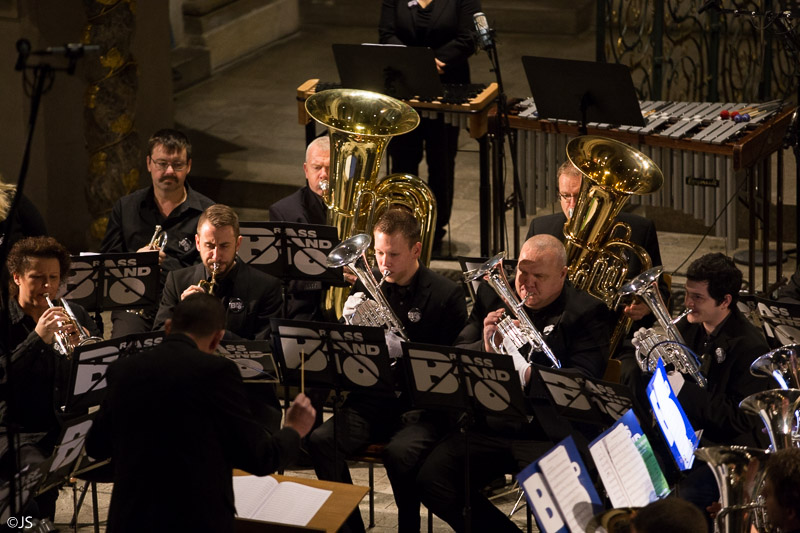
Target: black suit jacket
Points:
(175, 422)
(251, 299)
(449, 33)
(301, 206)
(716, 408)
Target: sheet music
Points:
(622, 468)
(263, 498)
(250, 493)
(562, 478)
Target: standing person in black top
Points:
(40, 375)
(306, 206)
(574, 325)
(170, 203)
(445, 26)
(175, 422)
(432, 310)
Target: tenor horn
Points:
(739, 473)
(781, 364)
(596, 244)
(517, 336)
(778, 410)
(361, 124)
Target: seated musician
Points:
(175, 422)
(574, 325)
(782, 490)
(40, 375)
(251, 297)
(306, 206)
(432, 310)
(168, 202)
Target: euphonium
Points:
(210, 286)
(64, 342)
(778, 410)
(596, 245)
(361, 124)
(739, 472)
(651, 345)
(376, 312)
(518, 336)
(782, 364)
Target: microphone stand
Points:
(514, 201)
(43, 78)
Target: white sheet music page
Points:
(625, 477)
(251, 492)
(561, 474)
(293, 503)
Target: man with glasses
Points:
(168, 202)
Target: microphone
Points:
(23, 51)
(710, 4)
(485, 33)
(68, 50)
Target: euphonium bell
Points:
(778, 410)
(781, 364)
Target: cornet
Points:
(210, 285)
(159, 239)
(526, 333)
(64, 344)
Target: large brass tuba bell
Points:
(596, 244)
(361, 124)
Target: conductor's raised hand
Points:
(301, 415)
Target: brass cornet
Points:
(159, 239)
(64, 343)
(210, 285)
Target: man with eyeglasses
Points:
(168, 202)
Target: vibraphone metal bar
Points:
(472, 116)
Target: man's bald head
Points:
(541, 271)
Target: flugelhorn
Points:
(778, 410)
(210, 286)
(64, 343)
(781, 364)
(376, 312)
(526, 333)
(650, 344)
(739, 472)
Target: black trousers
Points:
(440, 143)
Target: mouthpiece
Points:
(683, 314)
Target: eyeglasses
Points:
(564, 197)
(177, 166)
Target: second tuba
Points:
(597, 246)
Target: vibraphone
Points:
(472, 115)
(701, 154)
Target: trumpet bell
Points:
(349, 250)
(782, 364)
(778, 410)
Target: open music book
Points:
(264, 498)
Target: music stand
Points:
(584, 91)
(253, 358)
(69, 449)
(403, 72)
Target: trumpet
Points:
(210, 285)
(64, 343)
(159, 238)
(526, 333)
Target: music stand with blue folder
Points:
(584, 91)
(404, 72)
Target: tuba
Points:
(782, 364)
(352, 252)
(597, 247)
(361, 124)
(514, 337)
(650, 345)
(778, 410)
(739, 472)
(65, 345)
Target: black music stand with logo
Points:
(253, 358)
(465, 381)
(404, 72)
(112, 282)
(583, 91)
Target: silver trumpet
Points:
(526, 333)
(779, 411)
(376, 312)
(64, 343)
(782, 364)
(652, 345)
(739, 472)
(159, 238)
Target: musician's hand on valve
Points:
(49, 323)
(636, 310)
(192, 289)
(301, 415)
(490, 327)
(394, 343)
(352, 303)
